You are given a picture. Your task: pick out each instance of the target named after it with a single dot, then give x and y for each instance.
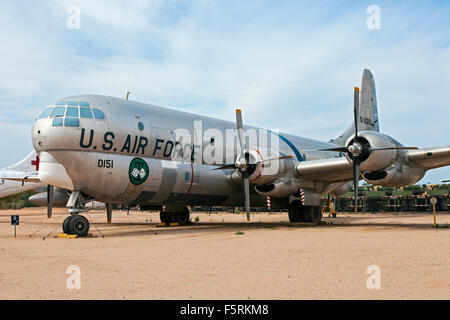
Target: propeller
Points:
(50, 200)
(358, 148)
(242, 163)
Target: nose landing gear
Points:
(76, 224)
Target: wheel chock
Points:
(172, 224)
(62, 235)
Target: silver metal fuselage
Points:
(95, 156)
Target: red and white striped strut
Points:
(302, 196)
(268, 202)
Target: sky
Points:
(289, 65)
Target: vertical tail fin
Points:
(368, 110)
(29, 164)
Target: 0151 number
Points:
(105, 163)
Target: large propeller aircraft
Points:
(119, 151)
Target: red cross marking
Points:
(35, 163)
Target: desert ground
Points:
(224, 257)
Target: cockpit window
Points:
(45, 113)
(98, 114)
(71, 122)
(69, 113)
(86, 113)
(57, 122)
(58, 112)
(72, 112)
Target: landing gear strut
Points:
(178, 215)
(300, 213)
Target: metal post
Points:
(434, 200)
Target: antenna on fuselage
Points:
(128, 94)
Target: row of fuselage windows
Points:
(69, 113)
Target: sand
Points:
(224, 257)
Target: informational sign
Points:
(15, 220)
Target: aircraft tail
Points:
(368, 110)
(28, 164)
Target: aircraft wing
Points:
(24, 179)
(19, 176)
(430, 158)
(340, 169)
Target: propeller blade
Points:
(338, 149)
(273, 159)
(50, 200)
(227, 166)
(240, 129)
(356, 110)
(394, 148)
(246, 187)
(356, 173)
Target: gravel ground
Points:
(224, 257)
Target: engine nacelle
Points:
(266, 172)
(375, 160)
(395, 176)
(278, 189)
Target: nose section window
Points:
(98, 114)
(84, 104)
(57, 122)
(72, 112)
(71, 122)
(73, 103)
(86, 112)
(58, 112)
(45, 113)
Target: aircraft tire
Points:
(312, 214)
(65, 225)
(183, 218)
(165, 217)
(79, 226)
(316, 214)
(294, 209)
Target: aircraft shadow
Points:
(214, 228)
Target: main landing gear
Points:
(300, 213)
(76, 224)
(178, 215)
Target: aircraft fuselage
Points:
(120, 151)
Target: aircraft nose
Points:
(39, 134)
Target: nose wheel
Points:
(77, 225)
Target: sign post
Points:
(434, 201)
(15, 222)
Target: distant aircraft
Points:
(20, 177)
(119, 151)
